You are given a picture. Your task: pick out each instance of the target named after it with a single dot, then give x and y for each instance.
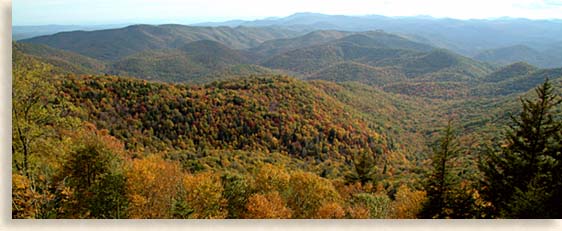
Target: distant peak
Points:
(520, 65)
(302, 14)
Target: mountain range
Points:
(220, 118)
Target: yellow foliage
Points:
(408, 203)
(204, 196)
(308, 192)
(267, 206)
(23, 198)
(271, 178)
(152, 183)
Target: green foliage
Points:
(522, 178)
(236, 191)
(92, 173)
(517, 83)
(111, 45)
(352, 71)
(447, 185)
(364, 169)
(378, 204)
(108, 199)
(63, 61)
(518, 53)
(272, 146)
(199, 61)
(31, 108)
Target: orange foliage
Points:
(267, 206)
(359, 212)
(346, 191)
(330, 210)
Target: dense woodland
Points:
(274, 123)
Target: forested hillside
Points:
(185, 122)
(112, 44)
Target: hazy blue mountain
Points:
(24, 32)
(468, 37)
(521, 53)
(278, 46)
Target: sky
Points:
(92, 12)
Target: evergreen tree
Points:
(449, 184)
(440, 181)
(523, 178)
(364, 168)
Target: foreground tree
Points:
(267, 206)
(92, 175)
(523, 178)
(450, 193)
(152, 185)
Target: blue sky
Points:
(89, 12)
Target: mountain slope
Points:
(367, 48)
(263, 114)
(278, 46)
(379, 49)
(510, 71)
(184, 64)
(467, 37)
(114, 44)
(357, 72)
(518, 83)
(518, 53)
(64, 60)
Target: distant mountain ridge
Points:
(467, 37)
(113, 44)
(397, 63)
(549, 58)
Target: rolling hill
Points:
(114, 44)
(188, 63)
(356, 127)
(64, 60)
(517, 84)
(510, 71)
(278, 46)
(521, 53)
(378, 49)
(357, 72)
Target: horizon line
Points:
(175, 21)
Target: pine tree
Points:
(364, 168)
(440, 181)
(450, 183)
(523, 178)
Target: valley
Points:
(286, 118)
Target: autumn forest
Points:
(306, 117)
